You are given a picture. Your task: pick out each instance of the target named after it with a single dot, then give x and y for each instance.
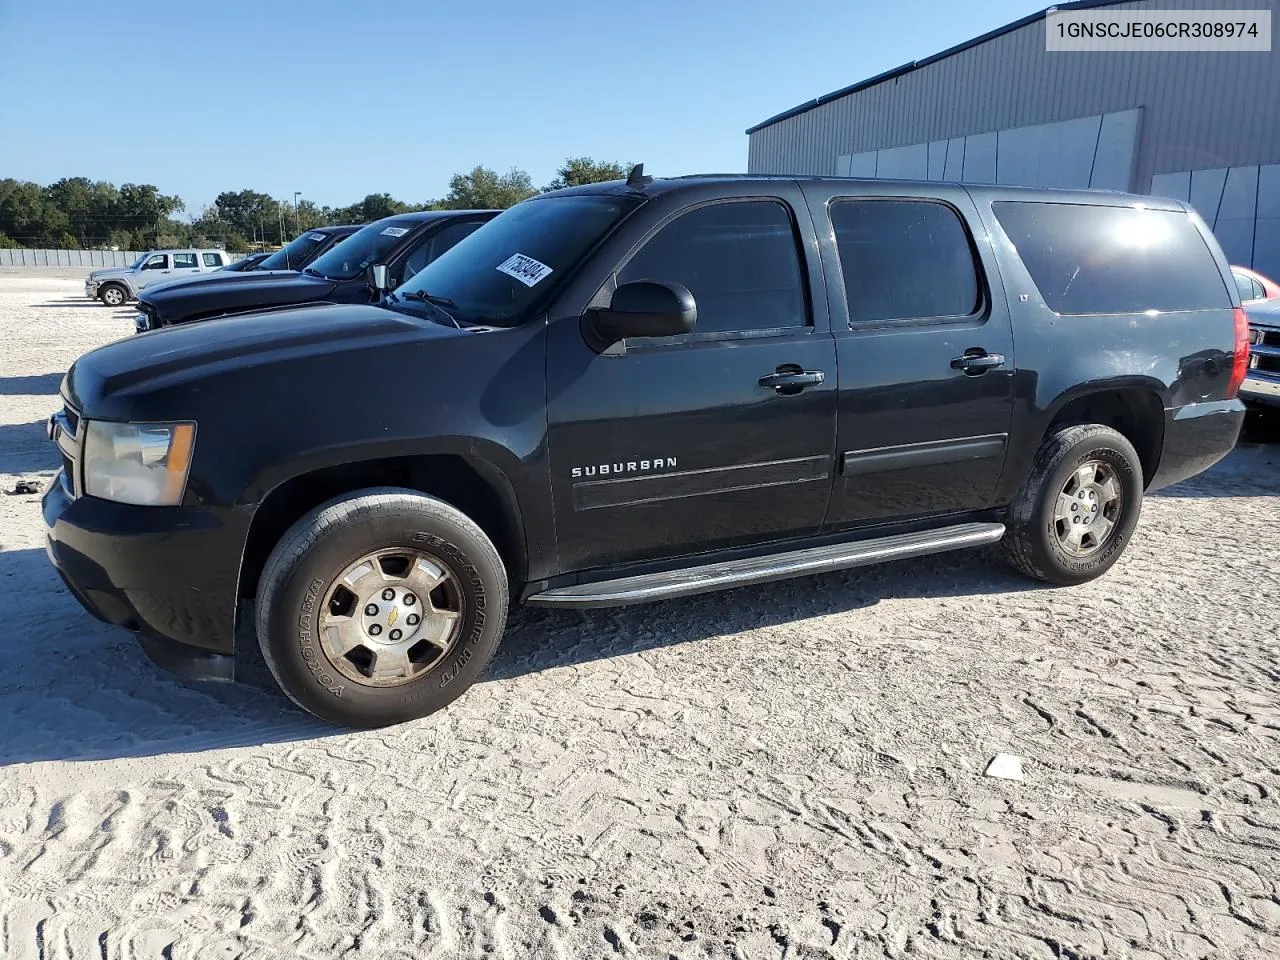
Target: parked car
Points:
(293, 256)
(634, 391)
(249, 262)
(1261, 388)
(403, 244)
(1254, 286)
(115, 286)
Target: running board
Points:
(778, 566)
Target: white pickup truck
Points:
(115, 286)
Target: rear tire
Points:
(113, 295)
(1077, 508)
(380, 606)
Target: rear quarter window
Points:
(1093, 259)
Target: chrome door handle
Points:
(977, 361)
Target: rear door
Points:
(186, 264)
(924, 350)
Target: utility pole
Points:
(280, 214)
(297, 213)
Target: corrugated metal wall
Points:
(1200, 110)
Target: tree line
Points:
(77, 213)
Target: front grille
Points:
(66, 433)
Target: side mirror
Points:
(379, 274)
(646, 308)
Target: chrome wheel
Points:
(390, 617)
(1088, 508)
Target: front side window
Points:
(159, 262)
(211, 259)
(497, 274)
(184, 261)
(904, 260)
(1089, 259)
(353, 256)
(740, 260)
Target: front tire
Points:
(113, 295)
(1077, 508)
(380, 606)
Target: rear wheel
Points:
(380, 606)
(113, 295)
(1078, 507)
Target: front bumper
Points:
(91, 289)
(1196, 436)
(1260, 391)
(168, 574)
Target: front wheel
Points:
(113, 295)
(1077, 508)
(380, 606)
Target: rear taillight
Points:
(1240, 363)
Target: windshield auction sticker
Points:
(395, 231)
(317, 237)
(525, 269)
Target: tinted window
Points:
(497, 273)
(904, 259)
(184, 261)
(1091, 259)
(739, 260)
(361, 250)
(159, 262)
(1258, 291)
(438, 243)
(211, 259)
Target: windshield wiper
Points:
(315, 273)
(438, 302)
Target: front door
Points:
(925, 352)
(154, 270)
(689, 443)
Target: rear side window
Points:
(904, 260)
(1093, 259)
(184, 261)
(211, 259)
(739, 259)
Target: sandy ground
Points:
(792, 771)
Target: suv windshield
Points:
(494, 275)
(361, 250)
(295, 255)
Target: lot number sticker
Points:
(395, 231)
(525, 269)
(317, 237)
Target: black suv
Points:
(343, 273)
(642, 390)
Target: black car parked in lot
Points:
(642, 390)
(246, 263)
(343, 273)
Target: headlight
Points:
(142, 463)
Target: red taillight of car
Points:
(1240, 364)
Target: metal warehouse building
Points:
(1197, 126)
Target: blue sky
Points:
(339, 99)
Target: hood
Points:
(105, 382)
(232, 292)
(109, 272)
(1266, 313)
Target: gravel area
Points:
(790, 771)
